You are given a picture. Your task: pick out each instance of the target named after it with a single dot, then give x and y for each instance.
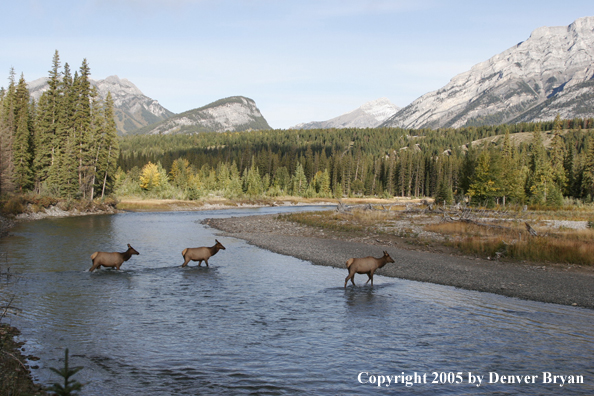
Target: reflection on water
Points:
(256, 322)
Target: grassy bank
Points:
(216, 202)
(558, 236)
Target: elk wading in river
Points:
(201, 253)
(365, 265)
(114, 259)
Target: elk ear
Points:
(129, 246)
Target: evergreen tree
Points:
(483, 186)
(558, 153)
(21, 144)
(299, 182)
(511, 180)
(252, 182)
(588, 171)
(541, 178)
(47, 125)
(110, 149)
(8, 124)
(82, 131)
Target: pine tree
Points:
(299, 182)
(60, 179)
(8, 124)
(511, 181)
(111, 144)
(588, 171)
(541, 179)
(83, 132)
(252, 181)
(557, 154)
(47, 125)
(483, 186)
(21, 144)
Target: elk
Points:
(365, 265)
(201, 253)
(114, 259)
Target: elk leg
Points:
(370, 275)
(351, 277)
(199, 263)
(185, 262)
(93, 267)
(206, 261)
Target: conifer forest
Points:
(66, 145)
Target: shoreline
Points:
(13, 360)
(558, 284)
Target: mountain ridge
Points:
(534, 80)
(369, 115)
(235, 113)
(132, 108)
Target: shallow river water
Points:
(260, 323)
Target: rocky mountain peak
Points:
(132, 108)
(236, 113)
(527, 82)
(117, 87)
(369, 115)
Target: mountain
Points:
(236, 113)
(133, 109)
(370, 115)
(548, 74)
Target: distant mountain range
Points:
(548, 74)
(370, 115)
(133, 109)
(236, 113)
(136, 113)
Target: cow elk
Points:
(365, 265)
(201, 253)
(114, 259)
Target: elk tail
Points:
(350, 262)
(94, 255)
(184, 252)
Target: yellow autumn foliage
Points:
(150, 177)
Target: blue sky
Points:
(300, 60)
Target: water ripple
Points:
(255, 322)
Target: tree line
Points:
(64, 145)
(556, 161)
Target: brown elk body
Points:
(114, 259)
(201, 253)
(365, 265)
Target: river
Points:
(256, 322)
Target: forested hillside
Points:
(374, 162)
(65, 145)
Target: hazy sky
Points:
(300, 60)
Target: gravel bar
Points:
(559, 284)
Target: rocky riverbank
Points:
(560, 284)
